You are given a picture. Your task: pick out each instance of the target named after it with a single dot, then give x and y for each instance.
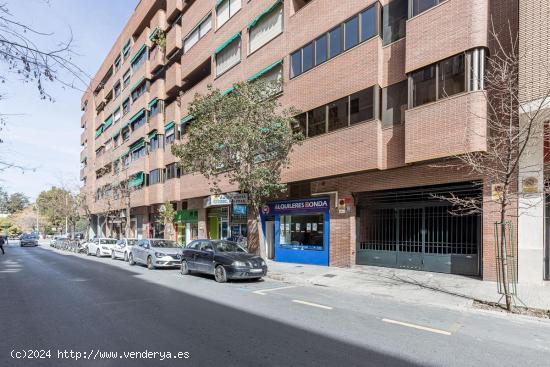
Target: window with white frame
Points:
(196, 34)
(225, 10)
(264, 29)
(117, 115)
(228, 56)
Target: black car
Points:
(28, 240)
(223, 259)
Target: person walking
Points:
(2, 242)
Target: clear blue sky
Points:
(46, 135)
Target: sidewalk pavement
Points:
(405, 285)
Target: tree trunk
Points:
(504, 255)
(253, 238)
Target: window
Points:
(335, 42)
(394, 103)
(118, 62)
(170, 135)
(362, 106)
(126, 79)
(125, 106)
(296, 64)
(338, 114)
(307, 57)
(155, 176)
(321, 50)
(156, 108)
(138, 122)
(117, 89)
(139, 91)
(126, 160)
(420, 6)
(172, 171)
(138, 153)
(109, 145)
(126, 49)
(423, 86)
(266, 28)
(226, 10)
(140, 58)
(351, 32)
(306, 231)
(394, 19)
(196, 34)
(369, 23)
(125, 133)
(155, 142)
(229, 56)
(117, 115)
(301, 125)
(299, 4)
(317, 121)
(452, 76)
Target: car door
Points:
(119, 248)
(190, 254)
(137, 250)
(144, 252)
(205, 257)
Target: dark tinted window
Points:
(307, 57)
(423, 86)
(419, 6)
(369, 23)
(321, 50)
(335, 41)
(317, 121)
(394, 103)
(362, 106)
(296, 64)
(352, 32)
(338, 114)
(394, 18)
(228, 246)
(452, 77)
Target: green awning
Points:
(186, 119)
(116, 133)
(108, 122)
(265, 70)
(138, 53)
(124, 126)
(267, 11)
(218, 3)
(126, 45)
(99, 131)
(137, 84)
(228, 91)
(154, 33)
(169, 125)
(152, 134)
(137, 115)
(226, 43)
(123, 155)
(152, 103)
(137, 145)
(137, 180)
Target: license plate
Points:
(256, 270)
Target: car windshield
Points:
(131, 242)
(164, 243)
(108, 242)
(227, 246)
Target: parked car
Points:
(100, 246)
(122, 248)
(223, 259)
(155, 253)
(57, 238)
(28, 240)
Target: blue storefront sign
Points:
(301, 230)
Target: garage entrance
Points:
(411, 229)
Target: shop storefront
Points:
(187, 226)
(227, 216)
(300, 230)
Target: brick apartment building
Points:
(388, 89)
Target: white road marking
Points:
(312, 304)
(263, 291)
(424, 328)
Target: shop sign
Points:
(238, 198)
(530, 185)
(309, 205)
(187, 216)
(217, 200)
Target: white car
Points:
(122, 248)
(101, 247)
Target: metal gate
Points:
(417, 232)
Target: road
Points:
(54, 302)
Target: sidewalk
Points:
(407, 285)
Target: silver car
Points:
(156, 253)
(122, 248)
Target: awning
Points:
(137, 84)
(226, 43)
(152, 103)
(99, 131)
(126, 46)
(169, 126)
(138, 53)
(218, 3)
(137, 115)
(154, 33)
(108, 122)
(265, 70)
(152, 134)
(228, 91)
(137, 145)
(267, 11)
(186, 119)
(137, 180)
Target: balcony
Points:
(83, 121)
(189, 95)
(156, 59)
(83, 138)
(172, 112)
(83, 154)
(173, 39)
(82, 173)
(173, 8)
(157, 89)
(460, 25)
(173, 78)
(446, 128)
(155, 194)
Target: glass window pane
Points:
(321, 50)
(317, 121)
(335, 41)
(338, 114)
(362, 106)
(306, 231)
(301, 124)
(296, 64)
(368, 23)
(423, 86)
(352, 32)
(394, 103)
(451, 76)
(307, 57)
(420, 6)
(394, 18)
(206, 26)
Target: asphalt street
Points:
(61, 303)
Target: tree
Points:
(27, 218)
(16, 202)
(511, 129)
(243, 137)
(3, 201)
(167, 217)
(60, 208)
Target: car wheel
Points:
(113, 255)
(125, 256)
(184, 270)
(220, 274)
(97, 254)
(88, 252)
(150, 265)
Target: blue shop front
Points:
(298, 230)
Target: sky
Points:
(44, 136)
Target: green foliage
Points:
(244, 137)
(17, 202)
(160, 40)
(167, 213)
(56, 204)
